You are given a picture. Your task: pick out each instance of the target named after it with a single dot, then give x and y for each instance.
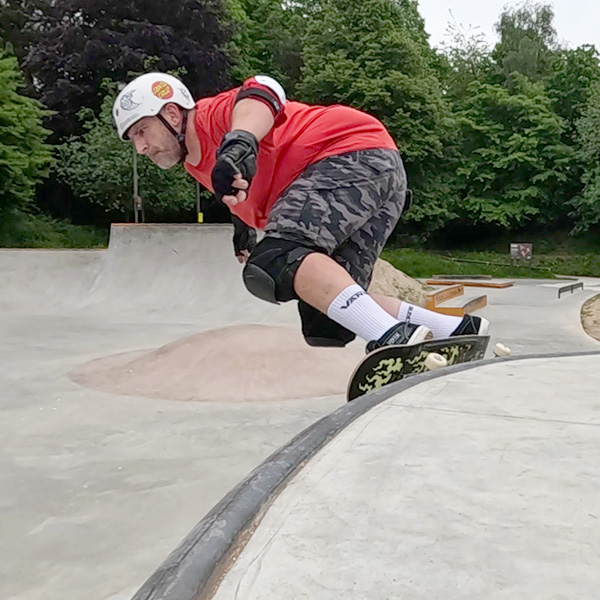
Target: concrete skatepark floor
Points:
(103, 480)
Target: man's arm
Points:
(253, 116)
(266, 106)
(258, 106)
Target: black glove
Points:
(244, 237)
(236, 154)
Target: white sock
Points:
(441, 325)
(355, 310)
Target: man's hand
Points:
(235, 166)
(244, 239)
(240, 186)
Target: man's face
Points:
(152, 138)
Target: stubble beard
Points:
(166, 158)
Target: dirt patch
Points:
(235, 364)
(389, 281)
(590, 317)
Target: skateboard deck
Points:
(392, 363)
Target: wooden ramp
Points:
(438, 297)
(462, 306)
(473, 283)
(451, 301)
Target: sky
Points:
(577, 21)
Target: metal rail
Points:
(570, 288)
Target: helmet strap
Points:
(180, 137)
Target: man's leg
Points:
(357, 257)
(389, 304)
(320, 211)
(322, 208)
(325, 285)
(320, 280)
(318, 214)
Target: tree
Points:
(374, 55)
(527, 41)
(98, 167)
(574, 75)
(267, 39)
(79, 42)
(24, 155)
(468, 59)
(586, 206)
(512, 161)
(15, 20)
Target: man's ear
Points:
(172, 113)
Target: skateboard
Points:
(392, 363)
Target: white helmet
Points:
(145, 96)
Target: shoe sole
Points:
(484, 327)
(421, 334)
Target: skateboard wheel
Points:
(501, 350)
(435, 361)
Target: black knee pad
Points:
(319, 330)
(269, 273)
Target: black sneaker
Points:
(401, 334)
(471, 325)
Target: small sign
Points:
(521, 251)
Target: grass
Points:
(426, 263)
(555, 254)
(24, 230)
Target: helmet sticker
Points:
(127, 102)
(185, 93)
(162, 90)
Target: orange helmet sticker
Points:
(162, 90)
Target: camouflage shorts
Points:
(346, 206)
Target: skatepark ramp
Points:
(180, 271)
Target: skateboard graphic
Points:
(392, 363)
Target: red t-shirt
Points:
(303, 134)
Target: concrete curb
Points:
(194, 568)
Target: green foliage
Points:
(586, 207)
(469, 59)
(574, 74)
(511, 160)
(25, 230)
(527, 41)
(516, 158)
(492, 138)
(421, 263)
(98, 167)
(374, 56)
(266, 40)
(24, 154)
(73, 44)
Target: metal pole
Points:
(135, 184)
(199, 204)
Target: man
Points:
(326, 184)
